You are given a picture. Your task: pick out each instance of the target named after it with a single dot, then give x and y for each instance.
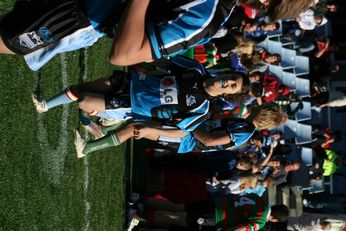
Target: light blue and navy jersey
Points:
(178, 96)
(239, 130)
(196, 23)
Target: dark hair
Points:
(278, 58)
(254, 73)
(246, 161)
(283, 149)
(280, 159)
(277, 25)
(279, 212)
(257, 89)
(246, 85)
(257, 135)
(251, 21)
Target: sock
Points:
(64, 97)
(110, 140)
(92, 113)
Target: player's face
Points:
(227, 85)
(271, 59)
(248, 28)
(254, 78)
(270, 27)
(274, 163)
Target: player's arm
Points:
(212, 138)
(131, 44)
(150, 132)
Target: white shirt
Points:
(307, 20)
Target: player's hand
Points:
(143, 132)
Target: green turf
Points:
(43, 186)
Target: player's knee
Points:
(81, 103)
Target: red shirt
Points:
(250, 12)
(271, 85)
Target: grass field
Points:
(43, 186)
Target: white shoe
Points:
(79, 142)
(40, 105)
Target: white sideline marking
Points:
(53, 158)
(85, 159)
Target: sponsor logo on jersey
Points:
(30, 40)
(190, 100)
(142, 76)
(168, 90)
(45, 34)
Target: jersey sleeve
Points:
(196, 23)
(197, 116)
(180, 64)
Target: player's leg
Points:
(92, 103)
(74, 93)
(131, 44)
(112, 139)
(4, 49)
(103, 94)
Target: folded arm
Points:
(131, 44)
(212, 138)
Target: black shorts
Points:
(203, 209)
(36, 24)
(120, 96)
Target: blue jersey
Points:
(196, 23)
(239, 131)
(177, 96)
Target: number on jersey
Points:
(244, 201)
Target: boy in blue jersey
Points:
(184, 94)
(228, 134)
(40, 29)
(66, 25)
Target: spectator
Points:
(308, 20)
(262, 31)
(317, 222)
(262, 59)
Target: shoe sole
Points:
(77, 140)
